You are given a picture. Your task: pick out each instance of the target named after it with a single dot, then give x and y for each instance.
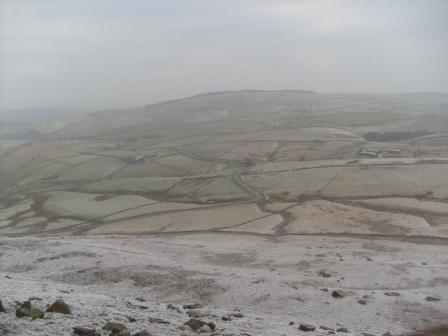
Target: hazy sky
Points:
(94, 54)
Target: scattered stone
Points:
(205, 329)
(342, 330)
(337, 294)
(59, 306)
(34, 313)
(362, 301)
(324, 273)
(81, 331)
(392, 294)
(123, 333)
(326, 328)
(114, 327)
(142, 333)
(140, 299)
(35, 298)
(226, 318)
(291, 323)
(157, 320)
(192, 306)
(306, 327)
(196, 324)
(194, 313)
(173, 307)
(25, 304)
(432, 298)
(2, 309)
(131, 319)
(238, 315)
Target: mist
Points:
(100, 54)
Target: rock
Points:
(123, 333)
(131, 319)
(2, 309)
(205, 329)
(34, 313)
(226, 318)
(326, 328)
(194, 313)
(25, 304)
(324, 273)
(196, 324)
(342, 330)
(362, 301)
(34, 298)
(432, 298)
(192, 306)
(392, 294)
(337, 294)
(142, 333)
(238, 315)
(81, 331)
(157, 320)
(59, 306)
(172, 307)
(114, 327)
(306, 327)
(291, 323)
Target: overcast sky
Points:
(94, 54)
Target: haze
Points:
(99, 54)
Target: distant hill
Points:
(255, 108)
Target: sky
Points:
(96, 54)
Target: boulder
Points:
(342, 330)
(337, 294)
(196, 324)
(82, 331)
(192, 306)
(25, 304)
(34, 313)
(432, 298)
(143, 333)
(306, 327)
(324, 273)
(123, 333)
(194, 313)
(59, 306)
(157, 320)
(114, 327)
(205, 329)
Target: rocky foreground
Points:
(215, 284)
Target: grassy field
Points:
(235, 148)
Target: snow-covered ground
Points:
(271, 281)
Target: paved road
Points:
(258, 196)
